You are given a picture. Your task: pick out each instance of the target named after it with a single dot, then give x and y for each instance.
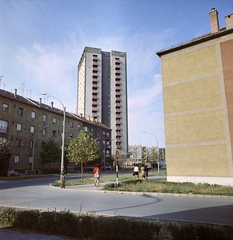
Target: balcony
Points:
(94, 74)
(95, 58)
(95, 91)
(118, 146)
(94, 103)
(118, 94)
(118, 88)
(117, 61)
(118, 105)
(118, 129)
(117, 72)
(118, 116)
(94, 109)
(118, 134)
(118, 122)
(94, 85)
(94, 97)
(118, 110)
(117, 78)
(95, 69)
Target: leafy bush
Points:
(85, 226)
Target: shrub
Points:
(85, 226)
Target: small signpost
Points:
(117, 157)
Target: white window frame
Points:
(16, 159)
(33, 114)
(19, 127)
(32, 129)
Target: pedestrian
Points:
(146, 172)
(135, 171)
(142, 172)
(96, 172)
(63, 176)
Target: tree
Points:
(4, 150)
(51, 152)
(154, 154)
(4, 157)
(83, 149)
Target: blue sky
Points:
(41, 42)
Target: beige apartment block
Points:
(197, 81)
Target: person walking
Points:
(96, 172)
(142, 172)
(135, 171)
(63, 176)
(146, 172)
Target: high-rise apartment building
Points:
(102, 93)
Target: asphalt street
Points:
(38, 194)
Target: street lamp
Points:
(157, 145)
(33, 148)
(63, 133)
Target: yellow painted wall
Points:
(193, 95)
(195, 128)
(190, 64)
(207, 160)
(195, 131)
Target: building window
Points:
(3, 140)
(71, 124)
(16, 160)
(44, 118)
(30, 159)
(32, 129)
(71, 135)
(31, 144)
(5, 107)
(54, 133)
(3, 126)
(20, 111)
(19, 126)
(18, 142)
(44, 132)
(33, 115)
(78, 127)
(54, 120)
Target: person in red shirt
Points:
(96, 172)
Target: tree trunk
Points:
(82, 171)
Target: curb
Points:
(100, 190)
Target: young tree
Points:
(83, 149)
(51, 152)
(154, 155)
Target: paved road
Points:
(37, 193)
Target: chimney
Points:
(51, 104)
(15, 92)
(229, 21)
(40, 100)
(214, 20)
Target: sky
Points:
(41, 42)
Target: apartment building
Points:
(27, 124)
(102, 93)
(141, 154)
(197, 78)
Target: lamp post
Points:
(33, 148)
(157, 145)
(63, 133)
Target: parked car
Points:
(88, 168)
(12, 173)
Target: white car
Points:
(12, 173)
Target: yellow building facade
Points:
(197, 79)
